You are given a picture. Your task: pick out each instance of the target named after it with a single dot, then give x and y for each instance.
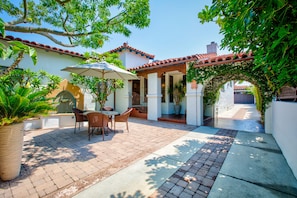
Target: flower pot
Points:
(177, 109)
(11, 147)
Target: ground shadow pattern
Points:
(197, 175)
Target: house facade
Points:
(149, 94)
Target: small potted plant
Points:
(18, 102)
(178, 91)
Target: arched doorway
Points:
(213, 74)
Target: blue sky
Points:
(174, 31)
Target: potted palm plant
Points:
(178, 91)
(21, 97)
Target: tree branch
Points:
(21, 19)
(62, 3)
(55, 40)
(14, 64)
(25, 10)
(37, 30)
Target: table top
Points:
(104, 112)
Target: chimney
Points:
(212, 47)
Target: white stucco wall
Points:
(226, 100)
(131, 59)
(284, 130)
(123, 97)
(51, 62)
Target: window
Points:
(171, 88)
(163, 88)
(145, 90)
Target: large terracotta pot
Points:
(11, 147)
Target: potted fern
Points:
(178, 91)
(21, 97)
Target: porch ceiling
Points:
(163, 69)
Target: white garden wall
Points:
(284, 129)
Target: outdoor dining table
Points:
(108, 113)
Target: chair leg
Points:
(75, 127)
(89, 133)
(102, 133)
(127, 126)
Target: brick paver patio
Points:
(59, 163)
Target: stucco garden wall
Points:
(284, 129)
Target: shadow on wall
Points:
(75, 92)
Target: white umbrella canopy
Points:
(101, 70)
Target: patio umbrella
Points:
(101, 70)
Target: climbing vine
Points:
(213, 77)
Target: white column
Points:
(195, 105)
(154, 97)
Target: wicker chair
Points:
(79, 117)
(123, 117)
(97, 121)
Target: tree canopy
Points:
(267, 28)
(86, 23)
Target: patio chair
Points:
(97, 121)
(79, 117)
(123, 117)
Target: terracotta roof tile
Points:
(126, 46)
(173, 61)
(223, 59)
(42, 46)
(240, 87)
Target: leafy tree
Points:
(23, 95)
(99, 88)
(69, 23)
(16, 50)
(82, 22)
(267, 28)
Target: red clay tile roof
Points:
(173, 61)
(223, 59)
(42, 46)
(126, 46)
(240, 87)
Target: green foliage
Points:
(22, 96)
(267, 28)
(40, 80)
(99, 88)
(254, 90)
(178, 92)
(15, 47)
(86, 23)
(16, 50)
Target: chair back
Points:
(79, 117)
(127, 112)
(97, 119)
(123, 117)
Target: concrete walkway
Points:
(243, 117)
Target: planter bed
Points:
(59, 120)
